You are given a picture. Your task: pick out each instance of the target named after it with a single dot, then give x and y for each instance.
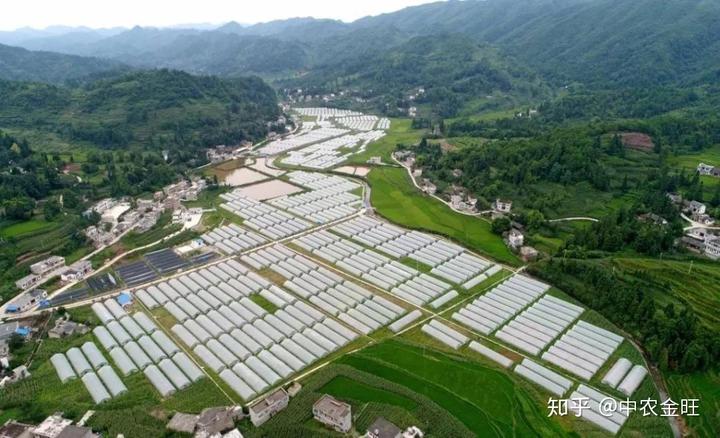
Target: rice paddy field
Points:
(395, 198)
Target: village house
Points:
(266, 408)
(695, 207)
(528, 254)
(64, 328)
(502, 205)
(381, 428)
(708, 170)
(676, 198)
(26, 301)
(28, 281)
(333, 413)
(47, 265)
(212, 421)
(652, 218)
(76, 271)
(712, 247)
(515, 239)
(428, 187)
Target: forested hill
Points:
(623, 42)
(20, 64)
(157, 109)
(453, 69)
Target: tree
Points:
(20, 208)
(500, 225)
(51, 209)
(15, 342)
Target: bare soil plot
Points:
(269, 190)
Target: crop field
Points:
(485, 400)
(693, 283)
(20, 229)
(395, 198)
(706, 388)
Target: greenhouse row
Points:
(494, 308)
(327, 154)
(445, 334)
(305, 137)
(538, 325)
(583, 349)
(135, 343)
(609, 421)
(264, 218)
(542, 376)
(232, 238)
(87, 362)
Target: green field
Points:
(484, 399)
(394, 197)
(343, 387)
(706, 388)
(400, 132)
(20, 229)
(694, 283)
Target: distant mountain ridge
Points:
(596, 42)
(24, 65)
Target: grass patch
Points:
(343, 387)
(264, 303)
(24, 228)
(395, 198)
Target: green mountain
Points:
(152, 109)
(453, 70)
(21, 64)
(621, 42)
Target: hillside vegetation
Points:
(156, 109)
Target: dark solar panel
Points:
(136, 273)
(166, 260)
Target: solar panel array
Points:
(264, 218)
(355, 305)
(88, 363)
(136, 273)
(135, 343)
(583, 349)
(232, 238)
(492, 309)
(448, 260)
(165, 260)
(537, 326)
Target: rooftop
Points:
(332, 407)
(382, 428)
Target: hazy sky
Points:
(110, 13)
